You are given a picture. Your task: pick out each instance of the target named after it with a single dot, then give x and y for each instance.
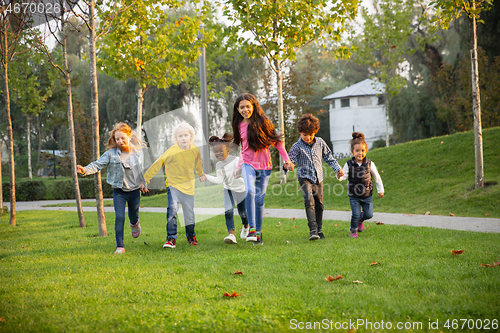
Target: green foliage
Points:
(62, 271)
(449, 10)
(26, 191)
(383, 43)
(150, 45)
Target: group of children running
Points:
(244, 178)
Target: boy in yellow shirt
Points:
(179, 162)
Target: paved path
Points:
(435, 221)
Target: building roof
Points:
(364, 88)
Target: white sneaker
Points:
(230, 239)
(244, 232)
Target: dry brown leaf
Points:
(451, 214)
(367, 226)
(374, 263)
(295, 227)
(330, 278)
(486, 265)
(487, 214)
(496, 264)
(442, 142)
(233, 294)
(379, 223)
(352, 330)
(279, 224)
(357, 281)
(293, 218)
(237, 273)
(427, 213)
(456, 252)
(2, 319)
(336, 225)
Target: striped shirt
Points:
(308, 158)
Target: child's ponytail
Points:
(358, 138)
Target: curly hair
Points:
(261, 132)
(358, 138)
(308, 124)
(135, 142)
(183, 125)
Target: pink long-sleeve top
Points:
(261, 159)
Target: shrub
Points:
(31, 190)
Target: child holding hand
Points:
(359, 171)
(308, 153)
(180, 161)
(124, 159)
(234, 188)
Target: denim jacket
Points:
(111, 159)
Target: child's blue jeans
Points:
(187, 202)
(229, 201)
(120, 199)
(356, 204)
(256, 185)
(170, 215)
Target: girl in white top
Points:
(234, 188)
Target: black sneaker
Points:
(259, 239)
(314, 235)
(321, 235)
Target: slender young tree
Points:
(279, 28)
(447, 11)
(12, 25)
(151, 44)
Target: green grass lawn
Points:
(59, 277)
(435, 175)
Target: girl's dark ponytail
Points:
(358, 138)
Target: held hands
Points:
(340, 174)
(80, 169)
(203, 178)
(288, 166)
(237, 173)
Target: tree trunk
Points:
(476, 106)
(10, 134)
(95, 120)
(39, 127)
(387, 123)
(30, 172)
(71, 126)
(281, 120)
(1, 186)
(140, 99)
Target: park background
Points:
(61, 277)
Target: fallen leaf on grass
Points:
(456, 252)
(336, 225)
(352, 330)
(427, 213)
(295, 227)
(279, 224)
(495, 264)
(487, 214)
(379, 223)
(330, 278)
(233, 294)
(237, 273)
(485, 265)
(442, 142)
(357, 281)
(288, 242)
(22, 247)
(374, 263)
(367, 226)
(2, 319)
(133, 241)
(293, 218)
(451, 214)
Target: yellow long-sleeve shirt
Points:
(179, 168)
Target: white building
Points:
(358, 108)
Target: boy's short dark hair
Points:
(308, 124)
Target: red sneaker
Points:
(360, 226)
(354, 234)
(170, 243)
(192, 240)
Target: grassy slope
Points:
(58, 277)
(418, 176)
